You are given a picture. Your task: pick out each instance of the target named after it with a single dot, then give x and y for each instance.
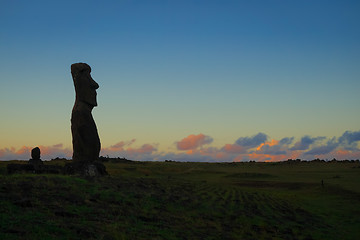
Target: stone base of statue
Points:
(87, 169)
(33, 168)
(35, 162)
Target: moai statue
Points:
(85, 137)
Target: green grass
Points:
(168, 200)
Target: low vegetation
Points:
(170, 200)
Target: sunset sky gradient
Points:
(184, 80)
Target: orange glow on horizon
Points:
(267, 157)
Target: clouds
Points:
(350, 137)
(258, 147)
(144, 149)
(349, 140)
(330, 146)
(253, 141)
(193, 141)
(47, 152)
(305, 142)
(128, 150)
(120, 146)
(234, 148)
(286, 140)
(243, 144)
(272, 148)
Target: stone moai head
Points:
(85, 86)
(35, 153)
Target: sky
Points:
(184, 80)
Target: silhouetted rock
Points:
(35, 157)
(86, 141)
(35, 153)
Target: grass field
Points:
(170, 200)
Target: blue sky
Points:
(168, 70)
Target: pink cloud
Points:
(127, 150)
(193, 141)
(146, 148)
(23, 150)
(234, 148)
(346, 154)
(120, 145)
(49, 152)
